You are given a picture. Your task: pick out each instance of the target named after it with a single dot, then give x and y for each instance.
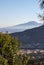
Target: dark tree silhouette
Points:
(42, 4)
(41, 16)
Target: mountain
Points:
(20, 27)
(31, 38)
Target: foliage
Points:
(42, 4)
(3, 61)
(9, 48)
(41, 16)
(21, 60)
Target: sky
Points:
(14, 12)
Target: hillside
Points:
(31, 38)
(21, 27)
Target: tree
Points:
(9, 48)
(21, 59)
(42, 7)
(41, 18)
(42, 4)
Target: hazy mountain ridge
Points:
(31, 38)
(20, 27)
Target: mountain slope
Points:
(20, 27)
(32, 38)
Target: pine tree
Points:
(9, 48)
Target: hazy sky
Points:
(13, 12)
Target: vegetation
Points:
(9, 51)
(42, 4)
(9, 48)
(36, 62)
(41, 16)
